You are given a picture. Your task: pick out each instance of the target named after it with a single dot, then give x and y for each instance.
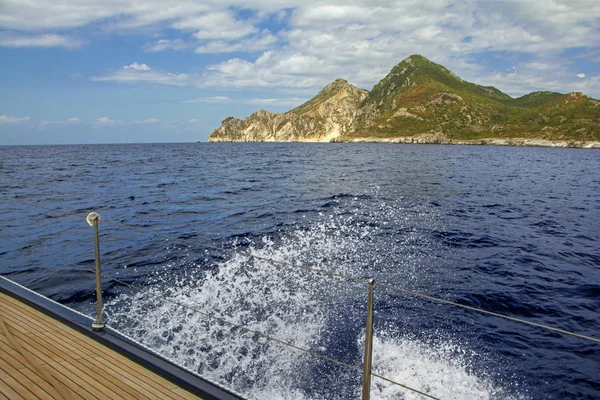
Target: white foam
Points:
(291, 305)
(288, 304)
(441, 370)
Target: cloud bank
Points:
(298, 46)
(7, 119)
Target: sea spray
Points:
(255, 285)
(292, 305)
(439, 368)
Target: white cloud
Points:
(359, 40)
(137, 67)
(271, 69)
(291, 101)
(216, 25)
(214, 99)
(8, 39)
(70, 121)
(540, 66)
(7, 119)
(581, 75)
(329, 13)
(193, 120)
(283, 102)
(519, 82)
(48, 14)
(166, 44)
(248, 45)
(135, 73)
(106, 121)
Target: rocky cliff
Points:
(424, 101)
(326, 116)
(421, 101)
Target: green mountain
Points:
(424, 102)
(422, 97)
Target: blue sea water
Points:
(220, 227)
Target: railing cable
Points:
(362, 280)
(347, 277)
(208, 246)
(391, 287)
(222, 320)
(523, 321)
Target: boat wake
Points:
(182, 310)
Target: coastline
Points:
(434, 139)
(516, 142)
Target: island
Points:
(420, 101)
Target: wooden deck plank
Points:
(35, 319)
(23, 321)
(39, 363)
(156, 385)
(49, 356)
(74, 382)
(107, 390)
(39, 367)
(102, 361)
(17, 386)
(142, 389)
(43, 350)
(8, 390)
(39, 354)
(32, 384)
(34, 377)
(161, 385)
(84, 368)
(9, 354)
(83, 365)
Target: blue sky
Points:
(94, 71)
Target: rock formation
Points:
(326, 116)
(423, 102)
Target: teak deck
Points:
(41, 358)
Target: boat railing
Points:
(94, 220)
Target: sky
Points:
(140, 71)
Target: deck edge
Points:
(120, 343)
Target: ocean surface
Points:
(236, 231)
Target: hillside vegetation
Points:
(419, 96)
(423, 100)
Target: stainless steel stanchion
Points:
(94, 220)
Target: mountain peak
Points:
(415, 58)
(326, 116)
(338, 88)
(336, 84)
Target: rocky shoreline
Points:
(516, 142)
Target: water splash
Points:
(311, 311)
(289, 304)
(441, 369)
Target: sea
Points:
(248, 262)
